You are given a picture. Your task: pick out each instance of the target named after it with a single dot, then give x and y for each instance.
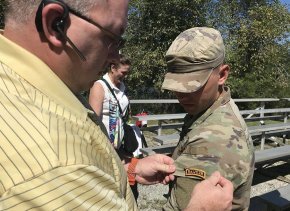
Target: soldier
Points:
(55, 153)
(214, 136)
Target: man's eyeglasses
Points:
(118, 42)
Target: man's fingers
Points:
(168, 178)
(163, 163)
(215, 178)
(166, 160)
(165, 168)
(226, 184)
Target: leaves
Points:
(153, 25)
(256, 35)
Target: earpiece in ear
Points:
(38, 17)
(58, 25)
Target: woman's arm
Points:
(96, 98)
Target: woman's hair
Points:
(123, 61)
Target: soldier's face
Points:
(196, 102)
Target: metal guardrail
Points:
(156, 101)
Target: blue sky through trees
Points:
(286, 2)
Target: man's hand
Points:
(212, 194)
(154, 169)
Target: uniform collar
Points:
(39, 75)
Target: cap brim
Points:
(186, 82)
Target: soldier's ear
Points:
(223, 74)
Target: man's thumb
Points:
(214, 178)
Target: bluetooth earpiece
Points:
(58, 25)
(61, 21)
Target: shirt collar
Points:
(39, 75)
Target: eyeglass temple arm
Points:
(78, 52)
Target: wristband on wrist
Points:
(131, 171)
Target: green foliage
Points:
(256, 35)
(258, 52)
(150, 33)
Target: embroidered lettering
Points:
(195, 172)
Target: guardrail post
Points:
(285, 121)
(263, 137)
(159, 127)
(262, 108)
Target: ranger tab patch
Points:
(195, 172)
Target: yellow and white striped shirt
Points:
(52, 155)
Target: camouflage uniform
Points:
(216, 141)
(218, 138)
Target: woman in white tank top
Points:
(104, 103)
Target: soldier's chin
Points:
(190, 110)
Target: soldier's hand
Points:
(212, 194)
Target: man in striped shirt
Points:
(54, 152)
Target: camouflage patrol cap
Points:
(191, 58)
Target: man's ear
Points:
(223, 74)
(53, 14)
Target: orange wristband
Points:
(131, 171)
